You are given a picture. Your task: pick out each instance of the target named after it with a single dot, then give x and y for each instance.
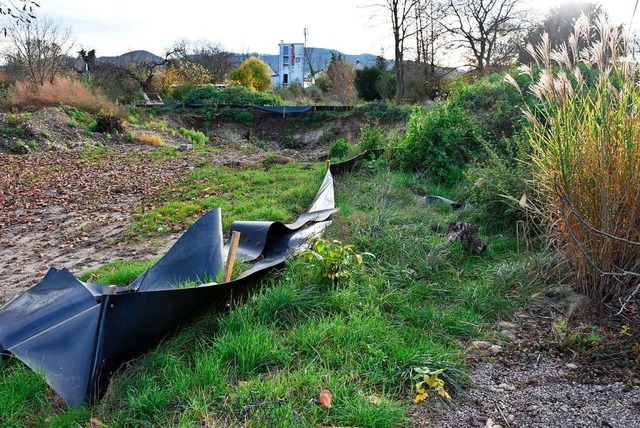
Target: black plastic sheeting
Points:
(284, 109)
(77, 335)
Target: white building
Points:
(291, 67)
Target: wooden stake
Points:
(112, 289)
(328, 161)
(231, 257)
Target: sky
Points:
(350, 26)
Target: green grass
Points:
(265, 361)
(280, 193)
(119, 272)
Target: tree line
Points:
(483, 34)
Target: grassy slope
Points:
(265, 361)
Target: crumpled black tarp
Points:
(284, 109)
(77, 335)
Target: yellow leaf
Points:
(444, 393)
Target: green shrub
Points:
(236, 95)
(371, 137)
(244, 117)
(441, 143)
(180, 92)
(340, 149)
(381, 110)
(195, 137)
(496, 190)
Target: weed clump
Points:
(195, 137)
(149, 139)
(63, 91)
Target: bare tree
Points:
(402, 17)
(39, 49)
(486, 28)
(21, 11)
(142, 68)
(211, 56)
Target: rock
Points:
(491, 424)
(480, 344)
(510, 335)
(504, 325)
(511, 418)
(185, 147)
(571, 366)
(507, 387)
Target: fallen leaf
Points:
(523, 201)
(325, 399)
(96, 423)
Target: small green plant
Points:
(340, 149)
(195, 137)
(13, 119)
(20, 147)
(270, 159)
(132, 119)
(334, 259)
(371, 137)
(45, 134)
(287, 141)
(429, 382)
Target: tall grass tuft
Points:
(63, 91)
(585, 138)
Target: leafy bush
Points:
(383, 110)
(236, 95)
(493, 102)
(180, 92)
(371, 137)
(496, 193)
(244, 117)
(340, 149)
(195, 137)
(441, 142)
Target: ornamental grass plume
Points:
(585, 139)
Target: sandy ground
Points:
(65, 210)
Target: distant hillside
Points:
(131, 57)
(320, 58)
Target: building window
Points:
(285, 79)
